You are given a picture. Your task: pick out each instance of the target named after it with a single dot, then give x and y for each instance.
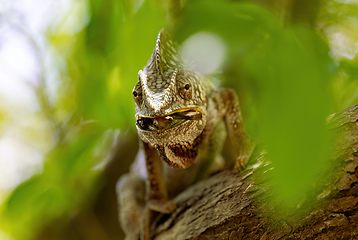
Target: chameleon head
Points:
(170, 100)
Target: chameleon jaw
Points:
(171, 120)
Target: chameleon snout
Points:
(162, 123)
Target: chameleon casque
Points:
(182, 122)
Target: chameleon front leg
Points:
(138, 198)
(157, 197)
(156, 189)
(228, 106)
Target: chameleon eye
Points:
(137, 93)
(185, 91)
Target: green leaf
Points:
(285, 72)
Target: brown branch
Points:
(174, 9)
(233, 206)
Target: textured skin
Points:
(181, 121)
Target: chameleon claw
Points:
(161, 205)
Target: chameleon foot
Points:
(161, 205)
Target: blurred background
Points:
(68, 67)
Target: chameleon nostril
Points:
(187, 86)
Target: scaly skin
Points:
(181, 121)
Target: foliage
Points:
(95, 97)
(285, 75)
(290, 72)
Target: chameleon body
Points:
(182, 122)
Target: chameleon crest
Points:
(159, 79)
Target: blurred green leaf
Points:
(290, 73)
(67, 182)
(293, 74)
(102, 62)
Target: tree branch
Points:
(231, 205)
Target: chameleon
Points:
(182, 122)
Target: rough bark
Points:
(231, 205)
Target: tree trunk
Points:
(231, 205)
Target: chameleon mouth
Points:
(174, 119)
